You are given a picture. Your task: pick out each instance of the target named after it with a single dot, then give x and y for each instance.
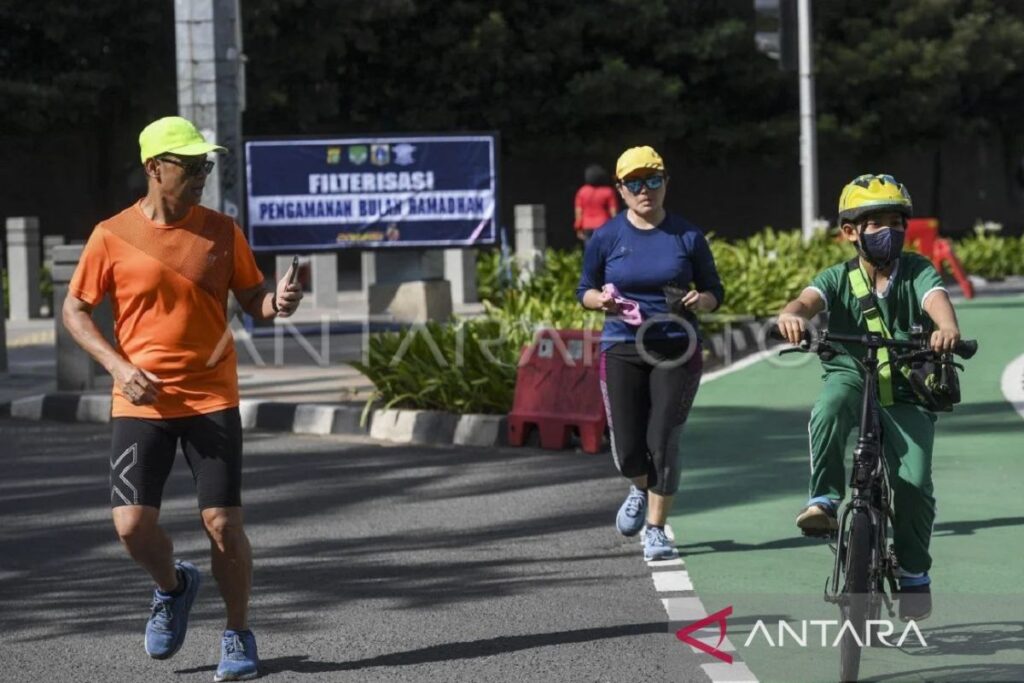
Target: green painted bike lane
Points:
(745, 471)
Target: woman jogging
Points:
(638, 268)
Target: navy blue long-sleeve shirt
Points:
(640, 263)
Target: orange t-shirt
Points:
(169, 286)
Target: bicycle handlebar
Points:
(965, 348)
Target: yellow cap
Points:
(176, 135)
(637, 158)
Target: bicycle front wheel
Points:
(856, 604)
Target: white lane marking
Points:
(688, 609)
(710, 638)
(1013, 384)
(672, 581)
(684, 609)
(738, 365)
(674, 562)
(737, 672)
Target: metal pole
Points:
(808, 131)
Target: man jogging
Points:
(167, 264)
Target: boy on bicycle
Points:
(907, 291)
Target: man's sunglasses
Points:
(191, 168)
(654, 182)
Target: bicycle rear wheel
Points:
(857, 603)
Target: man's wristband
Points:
(273, 302)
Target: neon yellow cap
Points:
(176, 135)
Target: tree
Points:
(67, 66)
(898, 75)
(549, 76)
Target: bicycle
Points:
(865, 563)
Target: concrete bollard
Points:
(406, 285)
(49, 242)
(3, 336)
(325, 280)
(76, 370)
(460, 271)
(531, 237)
(23, 267)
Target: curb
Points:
(427, 427)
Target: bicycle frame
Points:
(870, 495)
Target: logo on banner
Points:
(403, 154)
(380, 155)
(357, 154)
(334, 155)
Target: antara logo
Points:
(876, 632)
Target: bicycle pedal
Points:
(820, 533)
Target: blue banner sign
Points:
(396, 191)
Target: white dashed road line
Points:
(682, 605)
(1013, 384)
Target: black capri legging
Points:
(647, 401)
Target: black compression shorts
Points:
(143, 452)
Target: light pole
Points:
(808, 130)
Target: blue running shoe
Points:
(656, 545)
(238, 658)
(165, 631)
(632, 514)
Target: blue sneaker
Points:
(238, 658)
(656, 545)
(165, 631)
(632, 514)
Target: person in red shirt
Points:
(167, 263)
(595, 202)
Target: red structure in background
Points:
(923, 235)
(558, 389)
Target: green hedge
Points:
(991, 256)
(469, 365)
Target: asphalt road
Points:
(372, 563)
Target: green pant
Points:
(908, 432)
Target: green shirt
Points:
(913, 280)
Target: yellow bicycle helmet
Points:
(871, 193)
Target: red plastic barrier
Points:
(923, 233)
(558, 389)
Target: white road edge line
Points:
(1012, 384)
(690, 608)
(738, 365)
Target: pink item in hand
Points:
(629, 310)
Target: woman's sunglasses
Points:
(192, 168)
(654, 182)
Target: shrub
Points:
(991, 256)
(469, 366)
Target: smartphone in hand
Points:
(295, 271)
